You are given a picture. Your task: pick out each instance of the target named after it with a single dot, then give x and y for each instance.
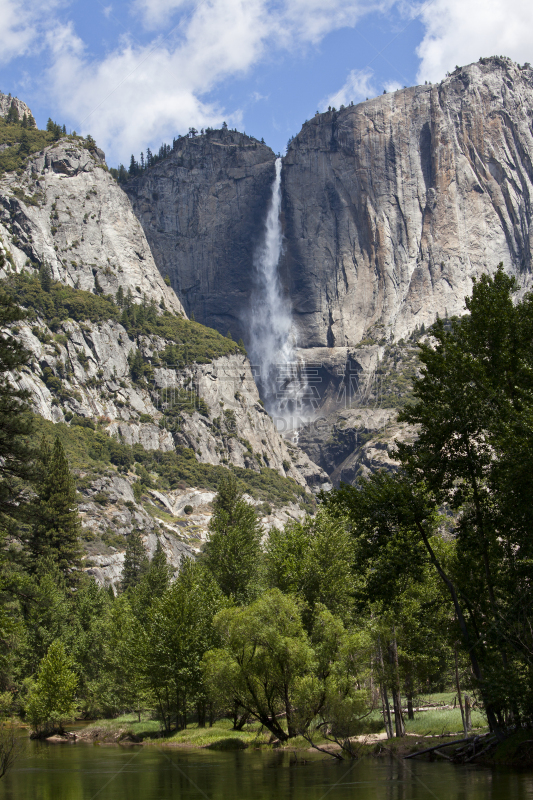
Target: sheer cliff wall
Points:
(390, 208)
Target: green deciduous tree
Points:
(264, 654)
(52, 699)
(471, 459)
(271, 668)
(180, 631)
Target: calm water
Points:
(84, 772)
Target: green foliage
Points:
(314, 560)
(88, 447)
(270, 667)
(264, 653)
(232, 552)
(181, 631)
(176, 401)
(473, 408)
(56, 530)
(22, 142)
(15, 420)
(57, 301)
(135, 561)
(52, 699)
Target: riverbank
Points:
(515, 751)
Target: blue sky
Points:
(136, 73)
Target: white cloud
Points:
(459, 32)
(137, 95)
(20, 23)
(140, 95)
(358, 86)
(392, 86)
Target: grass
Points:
(437, 722)
(124, 726)
(220, 737)
(441, 721)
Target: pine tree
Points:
(45, 276)
(24, 146)
(159, 572)
(233, 551)
(12, 117)
(56, 531)
(119, 298)
(15, 421)
(135, 561)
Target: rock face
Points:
(393, 206)
(390, 208)
(203, 210)
(6, 102)
(68, 210)
(65, 209)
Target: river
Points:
(92, 772)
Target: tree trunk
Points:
(476, 669)
(200, 708)
(386, 711)
(396, 695)
(384, 697)
(465, 729)
(468, 713)
(410, 692)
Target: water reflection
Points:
(84, 772)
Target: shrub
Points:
(188, 509)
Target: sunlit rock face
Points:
(393, 206)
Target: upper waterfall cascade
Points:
(279, 373)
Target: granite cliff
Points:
(151, 407)
(202, 210)
(390, 208)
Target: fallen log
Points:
(481, 752)
(438, 747)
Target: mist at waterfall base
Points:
(279, 374)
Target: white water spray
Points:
(272, 345)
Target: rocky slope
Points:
(115, 362)
(6, 102)
(67, 210)
(354, 426)
(202, 210)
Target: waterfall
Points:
(278, 372)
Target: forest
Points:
(413, 581)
